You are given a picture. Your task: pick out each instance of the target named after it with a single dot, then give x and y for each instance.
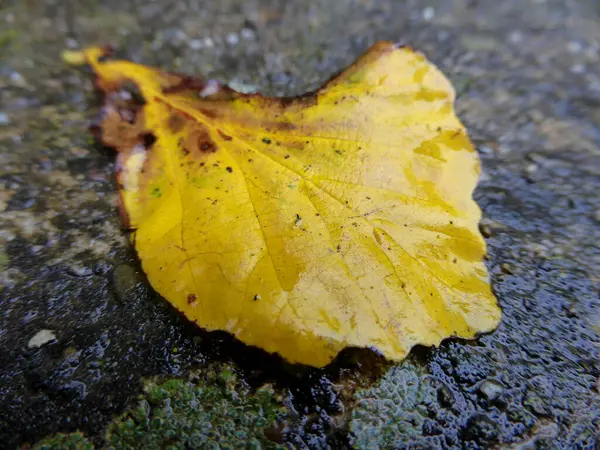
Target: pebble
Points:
(506, 269)
(485, 230)
(247, 33)
(531, 168)
(179, 36)
(208, 42)
(41, 338)
(196, 44)
(71, 43)
(211, 87)
(17, 79)
(232, 38)
(574, 47)
(3, 119)
(242, 87)
(79, 270)
(536, 115)
(515, 37)
(428, 13)
(491, 389)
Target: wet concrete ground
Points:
(527, 75)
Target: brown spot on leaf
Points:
(186, 115)
(191, 298)
(107, 52)
(183, 84)
(200, 138)
(207, 146)
(116, 132)
(224, 136)
(286, 126)
(229, 169)
(211, 114)
(148, 140)
(175, 123)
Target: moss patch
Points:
(73, 441)
(215, 411)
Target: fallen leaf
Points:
(340, 218)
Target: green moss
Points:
(73, 441)
(218, 411)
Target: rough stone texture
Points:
(527, 73)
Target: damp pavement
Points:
(85, 344)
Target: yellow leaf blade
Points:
(303, 226)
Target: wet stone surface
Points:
(527, 74)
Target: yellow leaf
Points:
(342, 218)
